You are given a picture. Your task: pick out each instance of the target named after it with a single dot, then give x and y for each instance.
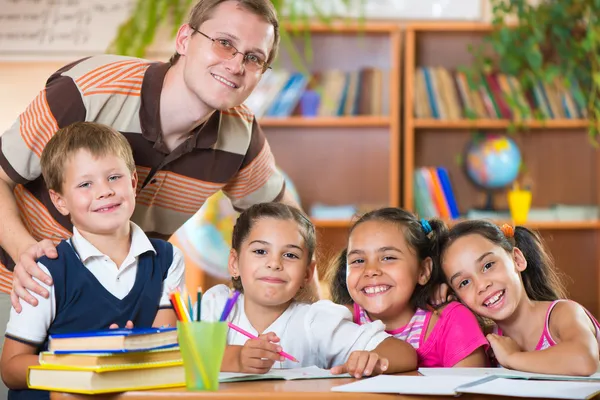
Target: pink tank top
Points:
(410, 332)
(546, 339)
(455, 335)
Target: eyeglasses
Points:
(224, 49)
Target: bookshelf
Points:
(342, 159)
(560, 160)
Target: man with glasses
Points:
(191, 136)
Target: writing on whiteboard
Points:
(60, 27)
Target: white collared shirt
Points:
(32, 323)
(321, 334)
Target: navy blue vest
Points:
(83, 304)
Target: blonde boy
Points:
(109, 273)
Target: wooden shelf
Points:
(359, 121)
(450, 26)
(331, 223)
(550, 225)
(498, 124)
(342, 27)
(537, 225)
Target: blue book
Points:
(113, 340)
(448, 192)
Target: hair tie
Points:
(508, 231)
(426, 226)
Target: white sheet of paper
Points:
(438, 385)
(503, 373)
(312, 372)
(532, 389)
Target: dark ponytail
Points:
(540, 279)
(336, 276)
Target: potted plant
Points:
(137, 33)
(542, 42)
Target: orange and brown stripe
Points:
(229, 152)
(37, 124)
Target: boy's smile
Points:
(98, 193)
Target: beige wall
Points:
(20, 82)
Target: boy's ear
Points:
(232, 264)
(520, 261)
(134, 181)
(59, 202)
(425, 272)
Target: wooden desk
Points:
(317, 389)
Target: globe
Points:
(206, 237)
(492, 161)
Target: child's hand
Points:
(258, 355)
(128, 325)
(362, 363)
(503, 347)
(441, 295)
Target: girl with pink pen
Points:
(270, 262)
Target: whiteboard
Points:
(47, 29)
(465, 10)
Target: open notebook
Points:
(456, 385)
(286, 374)
(503, 373)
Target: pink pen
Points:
(251, 336)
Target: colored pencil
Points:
(251, 336)
(199, 304)
(229, 305)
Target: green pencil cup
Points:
(202, 346)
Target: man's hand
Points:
(258, 355)
(503, 348)
(26, 269)
(362, 363)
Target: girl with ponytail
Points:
(506, 275)
(387, 274)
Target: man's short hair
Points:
(100, 140)
(203, 11)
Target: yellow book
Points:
(93, 360)
(106, 379)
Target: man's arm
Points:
(22, 247)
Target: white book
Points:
(285, 374)
(504, 373)
(456, 384)
(424, 385)
(533, 389)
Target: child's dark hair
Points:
(540, 278)
(248, 218)
(421, 236)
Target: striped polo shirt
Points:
(228, 152)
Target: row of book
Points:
(109, 361)
(433, 194)
(329, 93)
(443, 94)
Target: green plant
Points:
(555, 38)
(137, 33)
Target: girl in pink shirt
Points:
(387, 274)
(506, 275)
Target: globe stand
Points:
(489, 201)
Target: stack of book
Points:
(108, 361)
